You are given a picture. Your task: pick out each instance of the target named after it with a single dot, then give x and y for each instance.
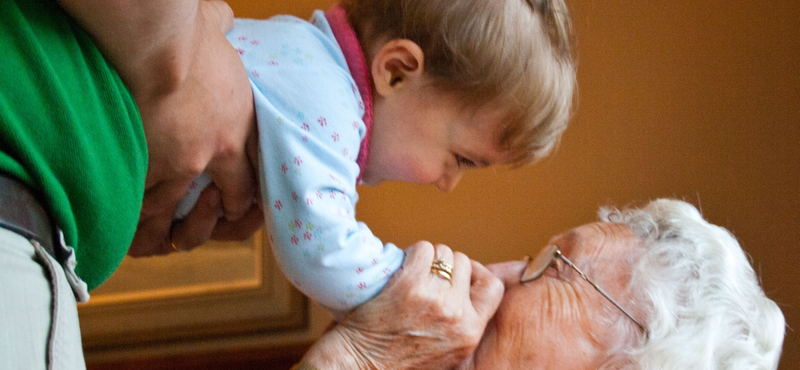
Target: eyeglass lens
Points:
(547, 257)
(540, 263)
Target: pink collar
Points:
(357, 64)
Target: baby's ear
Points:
(395, 63)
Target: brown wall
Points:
(694, 100)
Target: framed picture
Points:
(219, 290)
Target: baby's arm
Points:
(308, 177)
(356, 264)
(309, 115)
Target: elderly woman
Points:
(650, 288)
(672, 292)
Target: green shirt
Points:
(70, 129)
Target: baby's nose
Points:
(448, 182)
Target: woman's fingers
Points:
(486, 291)
(508, 272)
(416, 255)
(432, 325)
(442, 266)
(462, 270)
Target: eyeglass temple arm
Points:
(600, 290)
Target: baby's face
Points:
(423, 137)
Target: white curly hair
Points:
(702, 301)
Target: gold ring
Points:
(442, 273)
(443, 269)
(172, 240)
(442, 265)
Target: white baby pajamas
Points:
(312, 137)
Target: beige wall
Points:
(694, 100)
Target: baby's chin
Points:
(370, 180)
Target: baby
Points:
(380, 90)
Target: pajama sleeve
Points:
(309, 115)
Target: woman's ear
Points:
(396, 63)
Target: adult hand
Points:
(206, 124)
(197, 110)
(418, 321)
(203, 223)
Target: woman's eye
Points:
(464, 162)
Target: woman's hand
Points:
(418, 321)
(197, 110)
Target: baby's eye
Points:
(464, 162)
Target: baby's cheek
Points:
(414, 170)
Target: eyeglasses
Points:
(548, 258)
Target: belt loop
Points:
(69, 262)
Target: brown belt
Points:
(22, 213)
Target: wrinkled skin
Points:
(418, 321)
(559, 321)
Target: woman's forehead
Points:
(593, 238)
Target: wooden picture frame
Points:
(217, 291)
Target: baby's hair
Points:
(514, 54)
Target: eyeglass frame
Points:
(537, 266)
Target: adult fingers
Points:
(236, 181)
(240, 229)
(151, 238)
(462, 293)
(197, 226)
(486, 291)
(508, 272)
(418, 258)
(233, 169)
(162, 198)
(433, 325)
(444, 254)
(462, 271)
(155, 219)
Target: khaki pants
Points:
(38, 314)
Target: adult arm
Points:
(196, 107)
(419, 321)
